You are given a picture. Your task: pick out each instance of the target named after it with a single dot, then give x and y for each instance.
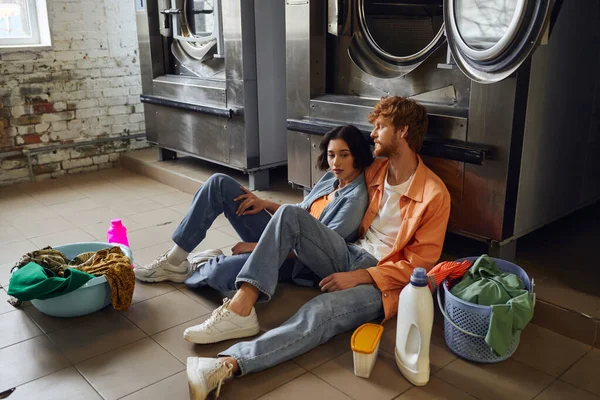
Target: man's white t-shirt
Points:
(382, 233)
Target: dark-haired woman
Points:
(338, 200)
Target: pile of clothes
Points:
(47, 273)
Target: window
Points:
(24, 23)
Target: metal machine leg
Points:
(259, 180)
(305, 193)
(506, 251)
(166, 154)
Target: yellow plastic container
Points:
(365, 345)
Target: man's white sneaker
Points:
(223, 325)
(161, 270)
(196, 259)
(205, 375)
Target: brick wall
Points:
(85, 87)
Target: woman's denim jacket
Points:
(345, 213)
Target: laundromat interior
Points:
(121, 110)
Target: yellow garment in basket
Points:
(116, 267)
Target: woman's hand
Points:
(345, 280)
(243, 247)
(250, 203)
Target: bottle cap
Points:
(419, 277)
(116, 222)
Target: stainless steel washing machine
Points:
(511, 87)
(213, 79)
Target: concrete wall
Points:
(85, 87)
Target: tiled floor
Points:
(140, 353)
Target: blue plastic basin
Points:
(93, 296)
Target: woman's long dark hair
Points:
(357, 143)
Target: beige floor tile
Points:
(17, 327)
(130, 368)
(96, 336)
(208, 297)
(164, 312)
(5, 272)
(306, 386)
(439, 354)
(32, 187)
(25, 215)
(9, 234)
(148, 188)
(435, 389)
(555, 291)
(98, 215)
(124, 207)
(50, 324)
(585, 373)
(74, 235)
(29, 360)
(172, 340)
(45, 227)
(11, 253)
(534, 350)
(17, 203)
(215, 239)
(328, 351)
(156, 217)
(560, 390)
(385, 381)
(75, 206)
(172, 388)
(149, 254)
(144, 291)
(255, 385)
(149, 237)
(4, 306)
(56, 194)
(64, 384)
(219, 222)
(506, 380)
(183, 209)
(174, 199)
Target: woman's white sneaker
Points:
(161, 270)
(223, 324)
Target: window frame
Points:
(40, 30)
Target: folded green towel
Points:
(33, 281)
(512, 306)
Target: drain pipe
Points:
(29, 152)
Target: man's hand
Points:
(243, 247)
(345, 280)
(250, 204)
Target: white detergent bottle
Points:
(413, 332)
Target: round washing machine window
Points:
(394, 37)
(401, 31)
(198, 18)
(490, 39)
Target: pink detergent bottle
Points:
(117, 233)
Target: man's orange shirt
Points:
(424, 209)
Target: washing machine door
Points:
(393, 37)
(490, 39)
